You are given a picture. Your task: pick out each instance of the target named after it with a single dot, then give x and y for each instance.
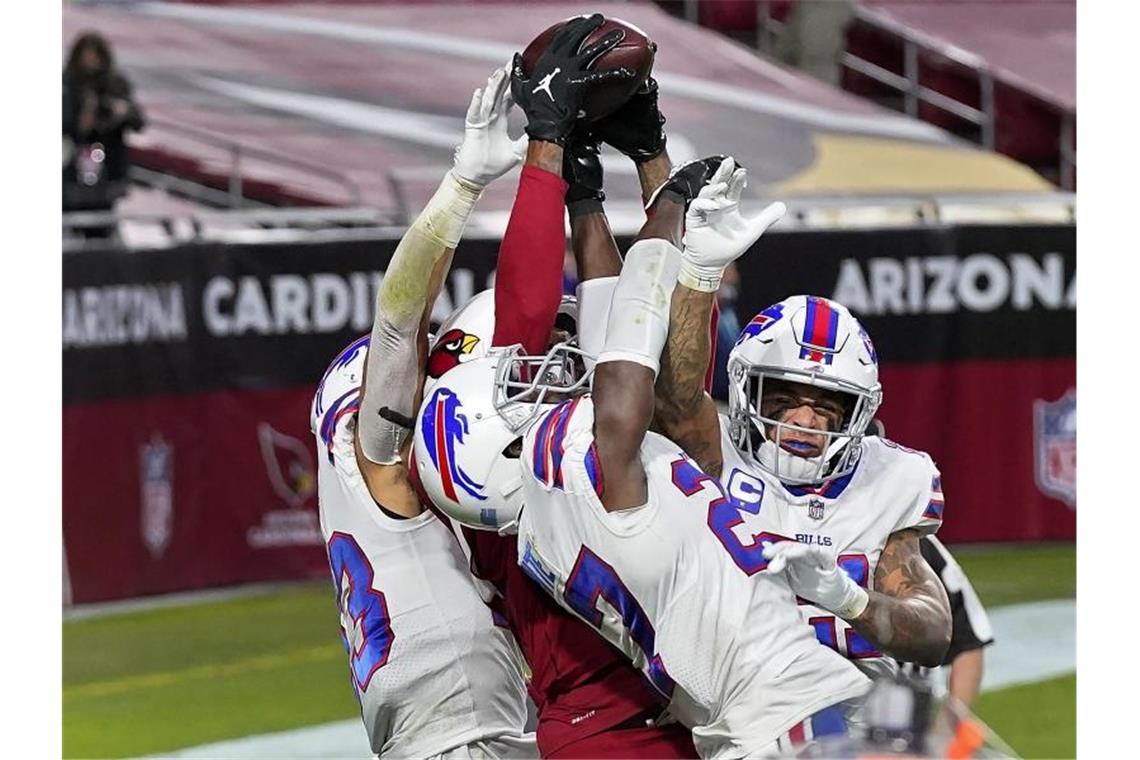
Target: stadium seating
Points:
(1011, 64)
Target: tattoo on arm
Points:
(683, 411)
(908, 613)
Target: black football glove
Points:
(635, 129)
(551, 97)
(582, 169)
(686, 180)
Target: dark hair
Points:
(96, 42)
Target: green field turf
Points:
(1039, 720)
(153, 681)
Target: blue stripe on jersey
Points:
(539, 455)
(829, 490)
(828, 722)
(934, 509)
(557, 450)
(335, 412)
(594, 469)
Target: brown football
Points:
(635, 52)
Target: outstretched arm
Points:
(716, 235)
(528, 283)
(394, 368)
(627, 366)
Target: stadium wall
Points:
(188, 375)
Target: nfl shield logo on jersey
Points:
(815, 509)
(156, 476)
(1055, 447)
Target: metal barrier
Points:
(768, 30)
(238, 151)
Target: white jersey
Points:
(431, 669)
(892, 488)
(725, 650)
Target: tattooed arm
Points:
(683, 411)
(908, 613)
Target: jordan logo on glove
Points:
(544, 85)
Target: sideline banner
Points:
(187, 377)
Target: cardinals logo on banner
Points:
(1055, 447)
(289, 466)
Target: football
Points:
(635, 52)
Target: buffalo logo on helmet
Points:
(761, 322)
(450, 348)
(867, 344)
(443, 426)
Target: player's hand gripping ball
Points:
(634, 52)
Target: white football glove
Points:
(716, 233)
(487, 151)
(813, 574)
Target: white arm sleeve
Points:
(392, 369)
(638, 323)
(594, 298)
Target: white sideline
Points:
(1032, 642)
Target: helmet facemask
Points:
(526, 384)
(750, 429)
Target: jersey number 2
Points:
(591, 578)
(365, 626)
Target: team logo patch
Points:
(1055, 447)
(761, 322)
(156, 484)
(443, 426)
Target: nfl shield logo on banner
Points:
(156, 477)
(1055, 447)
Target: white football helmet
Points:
(469, 422)
(467, 333)
(809, 340)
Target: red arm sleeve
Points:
(714, 322)
(528, 283)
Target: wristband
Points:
(855, 602)
(445, 215)
(705, 279)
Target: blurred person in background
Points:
(98, 109)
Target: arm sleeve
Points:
(528, 281)
(393, 374)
